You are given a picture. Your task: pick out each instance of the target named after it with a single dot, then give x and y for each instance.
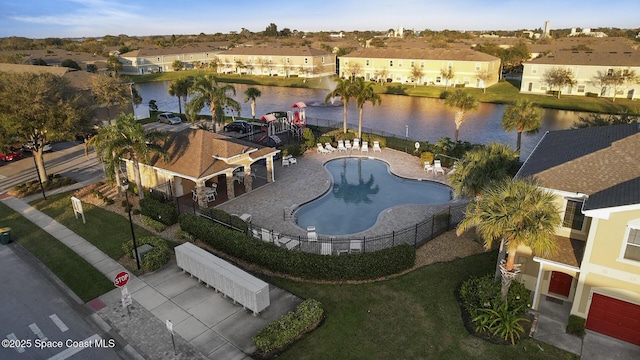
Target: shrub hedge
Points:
(576, 325)
(281, 333)
(299, 263)
(155, 225)
(154, 259)
(164, 212)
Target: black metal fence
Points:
(416, 235)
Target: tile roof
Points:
(590, 58)
(199, 154)
(601, 162)
(420, 54)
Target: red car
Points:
(12, 155)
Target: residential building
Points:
(467, 67)
(301, 61)
(595, 177)
(55, 57)
(586, 67)
(151, 60)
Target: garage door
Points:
(615, 318)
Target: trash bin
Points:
(5, 235)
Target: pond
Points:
(417, 118)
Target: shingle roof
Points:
(174, 50)
(276, 51)
(197, 153)
(592, 58)
(601, 162)
(570, 251)
(420, 54)
(77, 78)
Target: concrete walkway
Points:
(205, 324)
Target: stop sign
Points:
(121, 279)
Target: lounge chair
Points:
(329, 147)
(325, 248)
(355, 246)
(341, 146)
(347, 144)
(322, 150)
(285, 162)
(356, 144)
(428, 167)
(437, 167)
(365, 146)
(312, 235)
(376, 146)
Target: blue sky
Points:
(78, 18)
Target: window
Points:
(631, 246)
(306, 60)
(288, 60)
(422, 64)
(413, 64)
(609, 72)
(573, 217)
(534, 69)
(391, 63)
(580, 88)
(466, 80)
(366, 62)
(399, 63)
(438, 79)
(450, 65)
(477, 66)
(323, 59)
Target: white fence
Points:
(240, 286)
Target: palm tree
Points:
(207, 91)
(461, 102)
(180, 89)
(517, 212)
(342, 90)
(252, 94)
(521, 116)
(362, 92)
(126, 139)
(482, 166)
(106, 154)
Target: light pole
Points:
(125, 186)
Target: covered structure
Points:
(201, 160)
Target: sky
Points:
(95, 18)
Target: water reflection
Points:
(426, 119)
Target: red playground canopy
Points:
(300, 105)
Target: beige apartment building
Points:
(302, 61)
(152, 60)
(423, 66)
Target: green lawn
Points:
(82, 278)
(415, 316)
(501, 93)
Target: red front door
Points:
(560, 283)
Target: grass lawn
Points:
(82, 278)
(415, 316)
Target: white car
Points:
(169, 118)
(29, 147)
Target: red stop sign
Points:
(121, 279)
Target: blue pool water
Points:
(363, 188)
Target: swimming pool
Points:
(362, 189)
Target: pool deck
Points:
(304, 181)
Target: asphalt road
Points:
(39, 320)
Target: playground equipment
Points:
(278, 122)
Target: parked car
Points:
(169, 118)
(12, 155)
(239, 126)
(29, 146)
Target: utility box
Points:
(5, 235)
(142, 251)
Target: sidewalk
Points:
(206, 325)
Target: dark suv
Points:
(239, 126)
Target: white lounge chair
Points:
(312, 235)
(285, 161)
(376, 146)
(428, 167)
(329, 147)
(347, 144)
(325, 249)
(292, 160)
(322, 150)
(365, 146)
(341, 146)
(355, 246)
(437, 167)
(356, 144)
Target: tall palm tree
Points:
(461, 102)
(482, 166)
(127, 139)
(343, 90)
(362, 92)
(180, 89)
(522, 115)
(252, 94)
(106, 154)
(517, 212)
(207, 91)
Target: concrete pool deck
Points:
(304, 181)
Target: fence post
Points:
(393, 238)
(415, 237)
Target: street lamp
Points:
(125, 186)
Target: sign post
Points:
(77, 208)
(121, 280)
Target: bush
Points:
(501, 321)
(309, 138)
(368, 265)
(154, 259)
(181, 234)
(426, 156)
(293, 150)
(592, 94)
(324, 139)
(483, 292)
(164, 212)
(576, 325)
(155, 225)
(283, 332)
